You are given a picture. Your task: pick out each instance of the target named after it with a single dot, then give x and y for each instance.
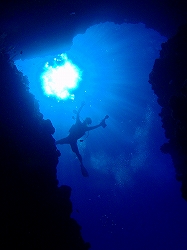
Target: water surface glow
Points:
(60, 78)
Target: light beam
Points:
(61, 78)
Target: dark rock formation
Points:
(35, 212)
(38, 27)
(169, 82)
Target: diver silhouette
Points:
(77, 131)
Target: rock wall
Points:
(35, 212)
(169, 82)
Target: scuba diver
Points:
(76, 132)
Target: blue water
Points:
(131, 199)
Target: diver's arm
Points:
(102, 124)
(78, 112)
(93, 127)
(82, 105)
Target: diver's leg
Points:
(62, 141)
(75, 149)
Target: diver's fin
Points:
(84, 171)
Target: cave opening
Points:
(115, 61)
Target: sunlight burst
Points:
(61, 78)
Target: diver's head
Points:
(88, 120)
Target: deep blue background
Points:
(131, 199)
